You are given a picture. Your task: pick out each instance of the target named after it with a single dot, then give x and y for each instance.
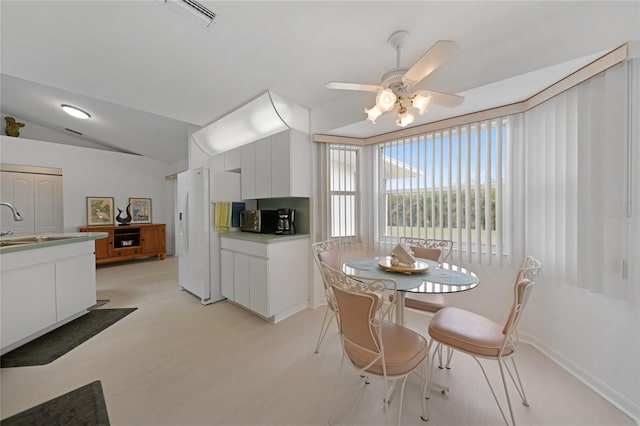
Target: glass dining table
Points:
(434, 279)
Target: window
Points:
(446, 184)
(343, 190)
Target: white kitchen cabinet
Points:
(248, 172)
(36, 193)
(28, 301)
(226, 274)
(241, 289)
(43, 288)
(269, 276)
(263, 168)
(74, 289)
(290, 164)
(277, 166)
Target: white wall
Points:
(91, 172)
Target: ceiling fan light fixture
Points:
(75, 112)
(386, 100)
(373, 113)
(421, 103)
(404, 117)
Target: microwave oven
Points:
(263, 221)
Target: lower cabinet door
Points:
(226, 274)
(75, 285)
(259, 285)
(241, 279)
(28, 302)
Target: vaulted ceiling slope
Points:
(148, 73)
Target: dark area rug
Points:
(82, 406)
(58, 342)
(99, 303)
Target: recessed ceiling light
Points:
(75, 112)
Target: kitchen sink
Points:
(32, 239)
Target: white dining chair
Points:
(480, 337)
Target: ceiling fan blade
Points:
(443, 99)
(353, 86)
(438, 54)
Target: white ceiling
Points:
(146, 73)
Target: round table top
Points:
(437, 279)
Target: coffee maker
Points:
(286, 222)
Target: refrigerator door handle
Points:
(184, 225)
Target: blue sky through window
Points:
(434, 154)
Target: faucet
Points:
(16, 216)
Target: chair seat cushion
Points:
(467, 331)
(404, 350)
(425, 302)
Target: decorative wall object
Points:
(13, 127)
(99, 211)
(141, 210)
(124, 220)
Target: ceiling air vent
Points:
(194, 9)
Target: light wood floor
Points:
(176, 362)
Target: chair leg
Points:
(427, 379)
(493, 392)
(449, 356)
(433, 359)
(386, 400)
(506, 391)
(518, 385)
(404, 381)
(324, 328)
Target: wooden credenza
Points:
(129, 241)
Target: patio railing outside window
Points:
(447, 184)
(343, 190)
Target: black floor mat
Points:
(82, 406)
(58, 342)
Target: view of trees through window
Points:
(446, 184)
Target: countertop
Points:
(15, 243)
(262, 238)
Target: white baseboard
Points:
(618, 400)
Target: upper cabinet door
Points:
(277, 166)
(263, 168)
(281, 167)
(248, 172)
(300, 164)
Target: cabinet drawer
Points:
(127, 251)
(247, 247)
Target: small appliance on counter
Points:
(286, 222)
(262, 221)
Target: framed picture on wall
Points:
(140, 210)
(99, 211)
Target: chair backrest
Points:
(432, 249)
(521, 292)
(328, 252)
(358, 309)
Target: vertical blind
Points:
(577, 184)
(448, 184)
(343, 184)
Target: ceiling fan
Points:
(395, 87)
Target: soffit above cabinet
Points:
(264, 116)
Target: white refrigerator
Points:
(198, 245)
